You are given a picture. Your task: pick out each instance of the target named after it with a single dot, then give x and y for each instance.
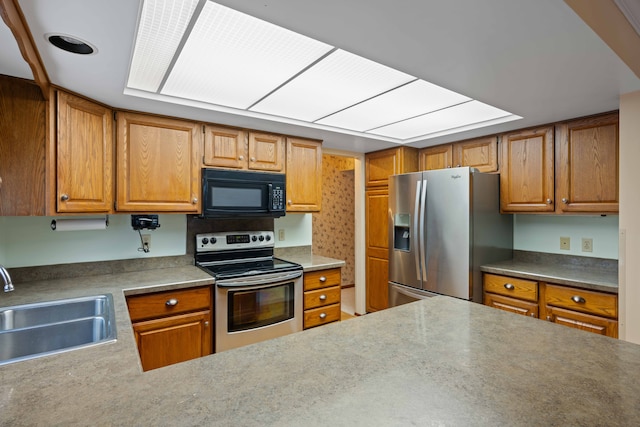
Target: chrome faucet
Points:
(4, 274)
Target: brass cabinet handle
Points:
(509, 286)
(578, 299)
(323, 315)
(172, 302)
(323, 297)
(64, 197)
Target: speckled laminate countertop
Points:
(437, 361)
(311, 262)
(587, 273)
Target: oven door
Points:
(257, 308)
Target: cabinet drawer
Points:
(321, 279)
(322, 315)
(512, 287)
(168, 303)
(585, 322)
(321, 297)
(591, 302)
(511, 305)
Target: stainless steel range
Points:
(257, 296)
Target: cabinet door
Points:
(23, 113)
(481, 153)
(225, 147)
(304, 175)
(158, 164)
(377, 241)
(511, 305)
(380, 165)
(527, 171)
(587, 165)
(586, 322)
(439, 157)
(169, 340)
(266, 152)
(84, 155)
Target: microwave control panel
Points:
(277, 198)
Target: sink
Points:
(39, 329)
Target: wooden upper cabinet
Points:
(239, 149)
(587, 165)
(527, 171)
(304, 175)
(438, 157)
(480, 153)
(158, 164)
(23, 126)
(225, 147)
(84, 160)
(379, 165)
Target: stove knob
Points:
(205, 241)
(213, 240)
(254, 238)
(261, 238)
(268, 237)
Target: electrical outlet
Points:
(587, 244)
(565, 243)
(146, 242)
(281, 234)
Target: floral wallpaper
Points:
(333, 227)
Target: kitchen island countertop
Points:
(436, 361)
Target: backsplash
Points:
(333, 226)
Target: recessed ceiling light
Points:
(71, 44)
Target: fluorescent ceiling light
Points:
(197, 52)
(334, 83)
(414, 99)
(469, 113)
(162, 24)
(233, 59)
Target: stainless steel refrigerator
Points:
(443, 225)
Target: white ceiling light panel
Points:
(413, 99)
(336, 82)
(161, 27)
(461, 115)
(234, 59)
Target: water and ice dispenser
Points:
(401, 232)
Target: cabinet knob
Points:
(458, 165)
(289, 202)
(323, 279)
(0, 182)
(509, 286)
(532, 315)
(241, 158)
(64, 197)
(323, 315)
(549, 201)
(194, 200)
(549, 318)
(565, 200)
(253, 159)
(172, 302)
(323, 297)
(578, 299)
(206, 324)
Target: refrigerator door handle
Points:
(422, 231)
(417, 230)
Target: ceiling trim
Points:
(611, 25)
(13, 17)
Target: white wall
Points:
(298, 230)
(29, 241)
(629, 267)
(541, 233)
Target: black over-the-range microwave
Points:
(232, 194)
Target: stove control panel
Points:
(225, 241)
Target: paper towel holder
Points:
(83, 223)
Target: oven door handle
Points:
(266, 279)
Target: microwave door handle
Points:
(270, 190)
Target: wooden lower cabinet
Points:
(171, 327)
(587, 310)
(322, 297)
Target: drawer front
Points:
(168, 303)
(591, 302)
(511, 305)
(585, 322)
(321, 297)
(322, 315)
(511, 287)
(321, 279)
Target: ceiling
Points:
(535, 59)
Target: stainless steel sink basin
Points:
(39, 329)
